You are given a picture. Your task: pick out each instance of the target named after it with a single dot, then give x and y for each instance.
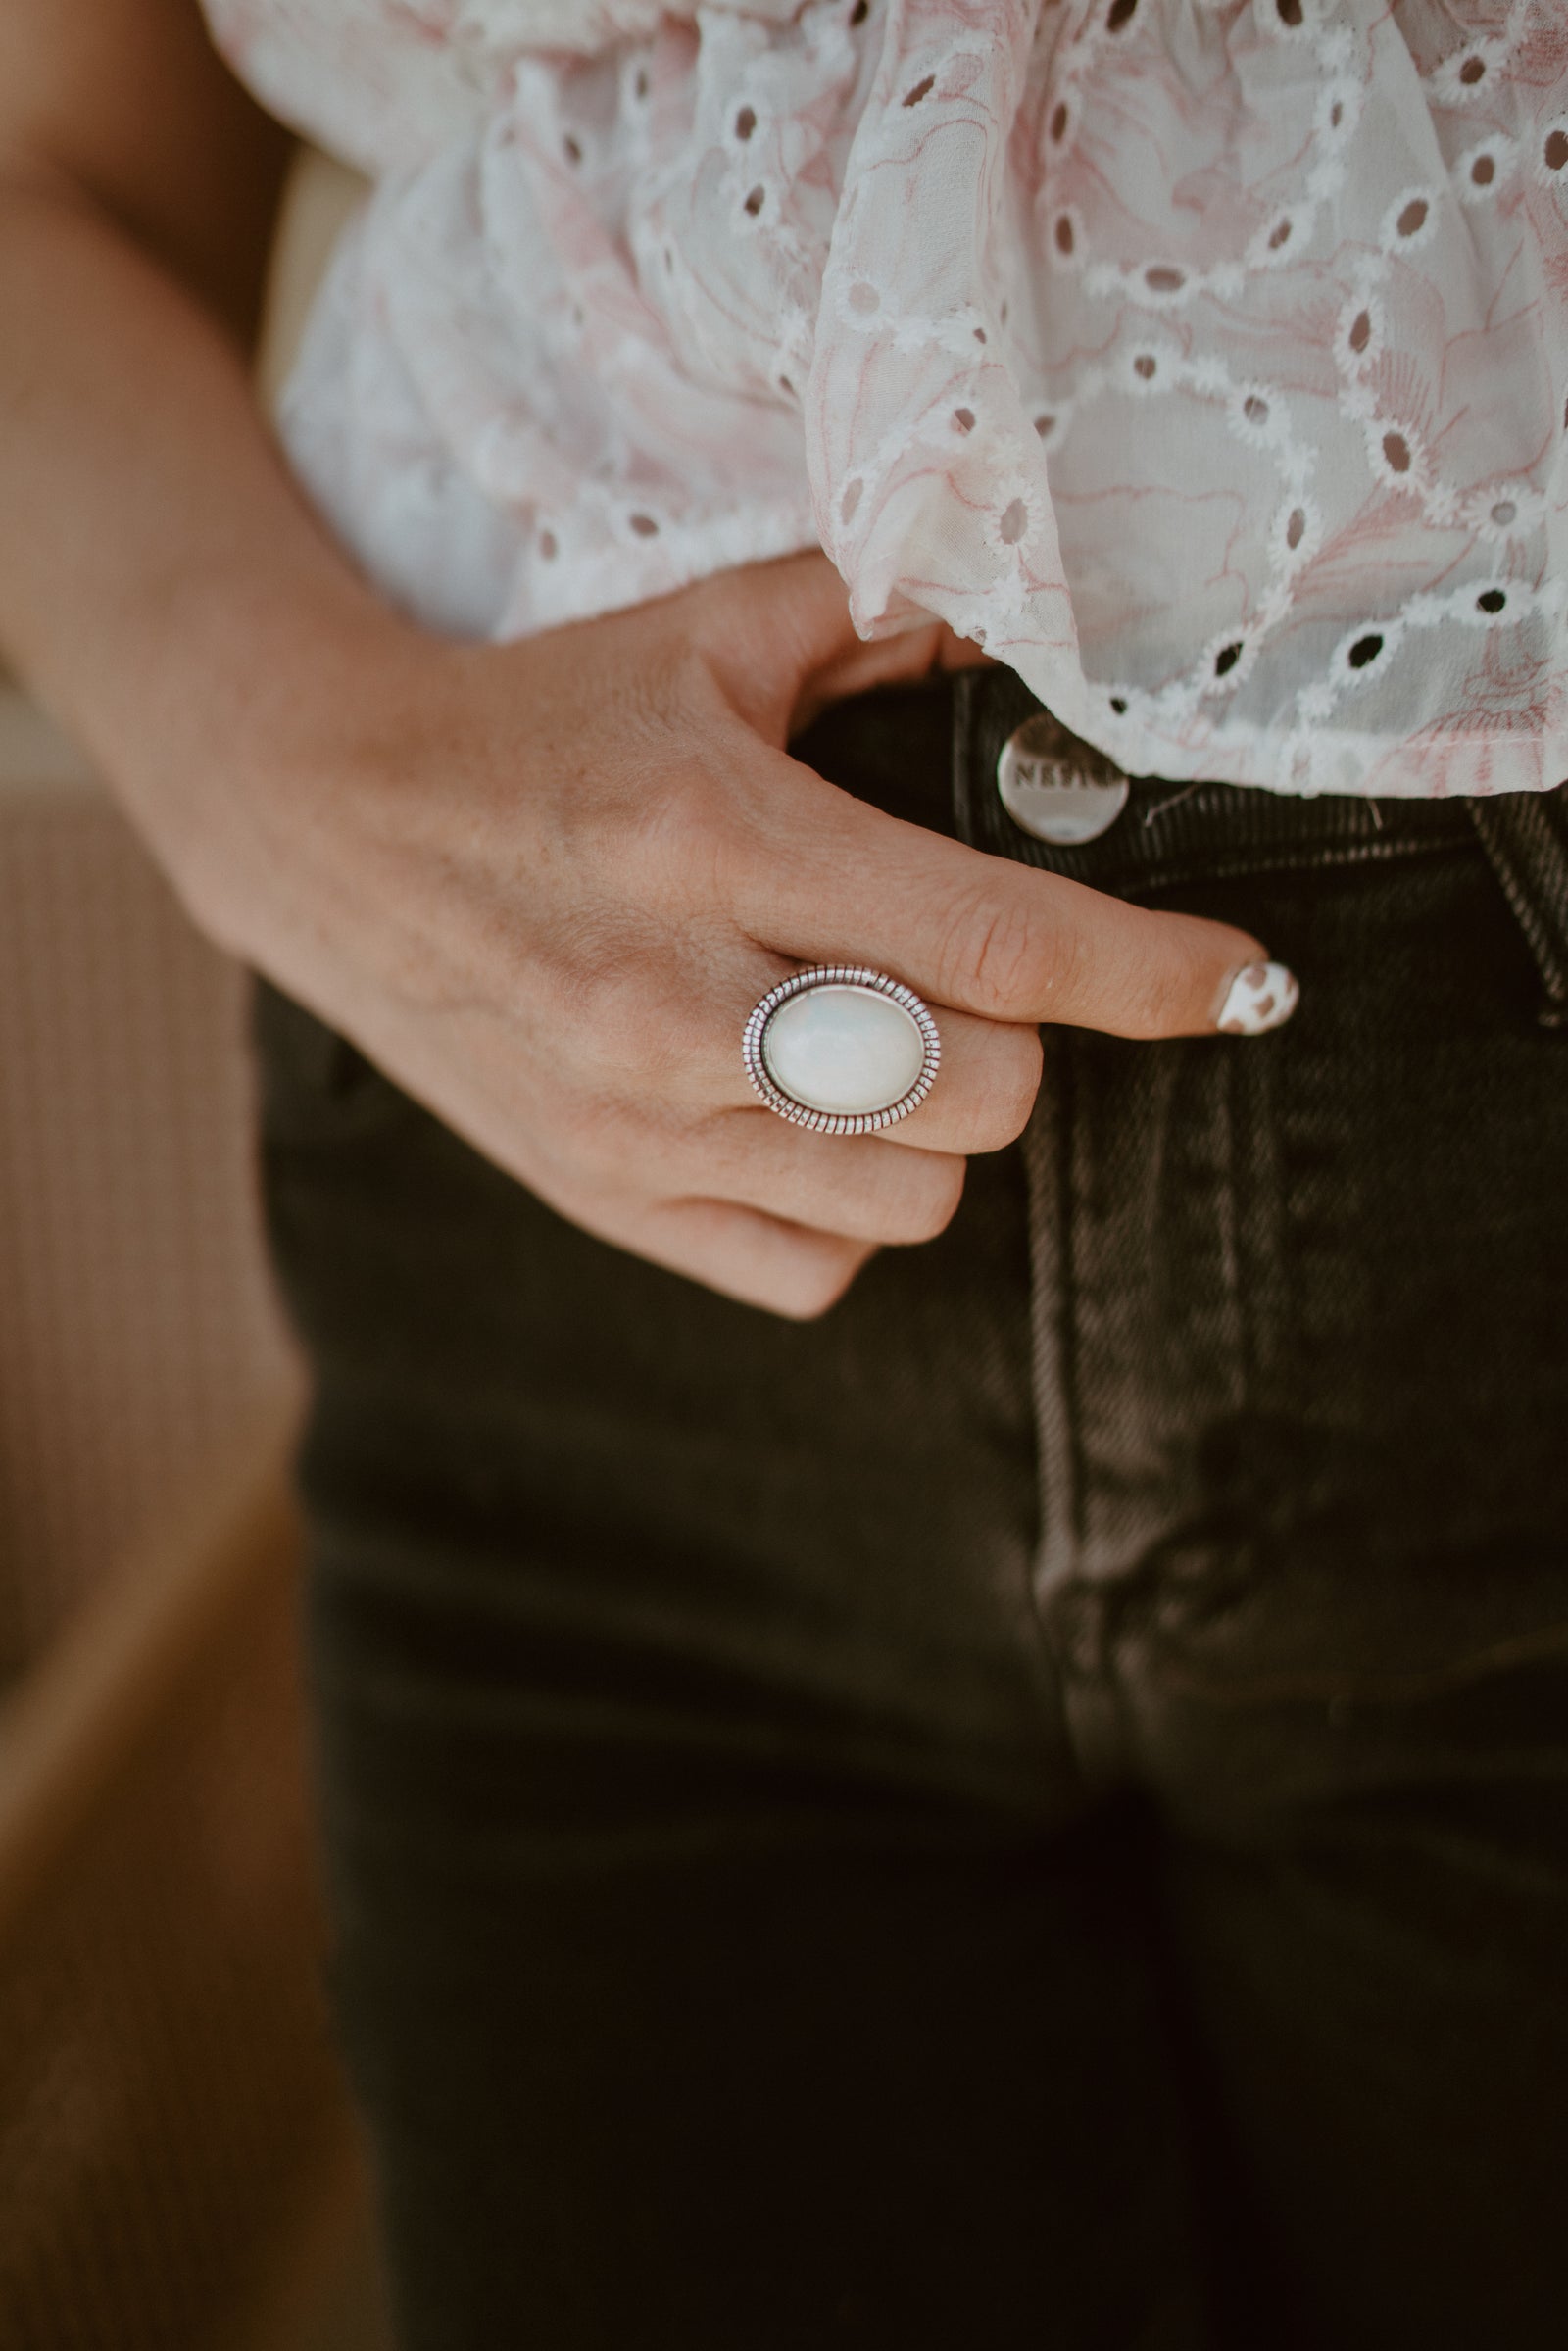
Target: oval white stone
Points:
(844, 1048)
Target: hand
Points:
(542, 886)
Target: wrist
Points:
(269, 715)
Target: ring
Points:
(842, 1049)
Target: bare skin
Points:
(542, 884)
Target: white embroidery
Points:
(1205, 359)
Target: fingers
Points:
(839, 881)
(649, 1193)
(985, 1089)
(792, 1216)
(782, 637)
(849, 1185)
(760, 1260)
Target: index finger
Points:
(847, 883)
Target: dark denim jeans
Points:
(1032, 1811)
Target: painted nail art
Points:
(1258, 997)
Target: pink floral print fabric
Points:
(1204, 360)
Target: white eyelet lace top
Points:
(1204, 360)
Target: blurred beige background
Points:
(137, 1330)
(180, 2163)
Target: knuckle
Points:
(622, 1010)
(672, 839)
(943, 1189)
(1010, 1097)
(993, 952)
(592, 1138)
(921, 1204)
(818, 1281)
(648, 1037)
(1007, 959)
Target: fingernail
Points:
(1257, 998)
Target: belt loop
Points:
(966, 731)
(1521, 835)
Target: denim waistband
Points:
(1169, 833)
(930, 755)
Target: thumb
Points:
(914, 653)
(784, 645)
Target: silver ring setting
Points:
(923, 1051)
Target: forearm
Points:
(164, 589)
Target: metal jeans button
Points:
(1056, 787)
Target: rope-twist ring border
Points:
(839, 1122)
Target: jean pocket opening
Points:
(1525, 838)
